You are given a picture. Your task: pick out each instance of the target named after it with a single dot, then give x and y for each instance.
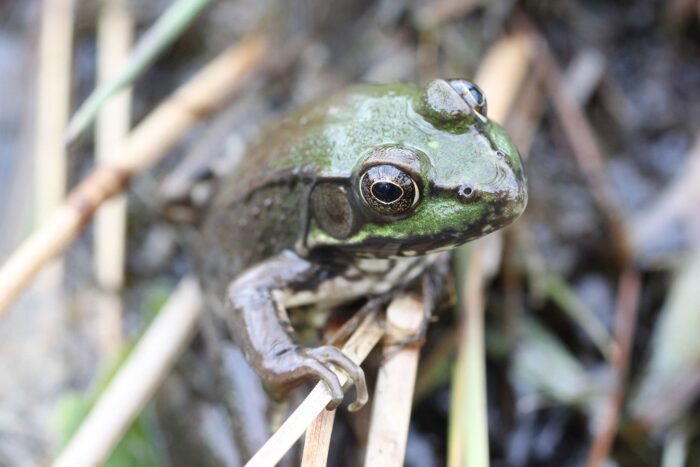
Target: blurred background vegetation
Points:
(593, 311)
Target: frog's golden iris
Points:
(388, 190)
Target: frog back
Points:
(261, 206)
(322, 140)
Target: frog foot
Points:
(293, 364)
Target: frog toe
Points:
(295, 364)
(316, 368)
(328, 353)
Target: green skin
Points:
(289, 226)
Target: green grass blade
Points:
(557, 290)
(468, 443)
(162, 34)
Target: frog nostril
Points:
(466, 192)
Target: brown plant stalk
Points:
(151, 140)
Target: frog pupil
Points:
(476, 94)
(386, 192)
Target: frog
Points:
(351, 196)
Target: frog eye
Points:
(388, 190)
(453, 102)
(472, 95)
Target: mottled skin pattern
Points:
(267, 242)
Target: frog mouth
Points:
(378, 247)
(504, 208)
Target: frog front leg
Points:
(260, 326)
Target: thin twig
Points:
(161, 35)
(147, 144)
(137, 380)
(349, 327)
(625, 324)
(357, 348)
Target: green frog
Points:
(350, 197)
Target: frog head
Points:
(437, 175)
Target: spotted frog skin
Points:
(349, 197)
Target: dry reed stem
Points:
(524, 121)
(206, 92)
(357, 348)
(583, 76)
(678, 392)
(53, 102)
(502, 73)
(625, 324)
(318, 435)
(137, 380)
(115, 32)
(677, 202)
(393, 396)
(318, 440)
